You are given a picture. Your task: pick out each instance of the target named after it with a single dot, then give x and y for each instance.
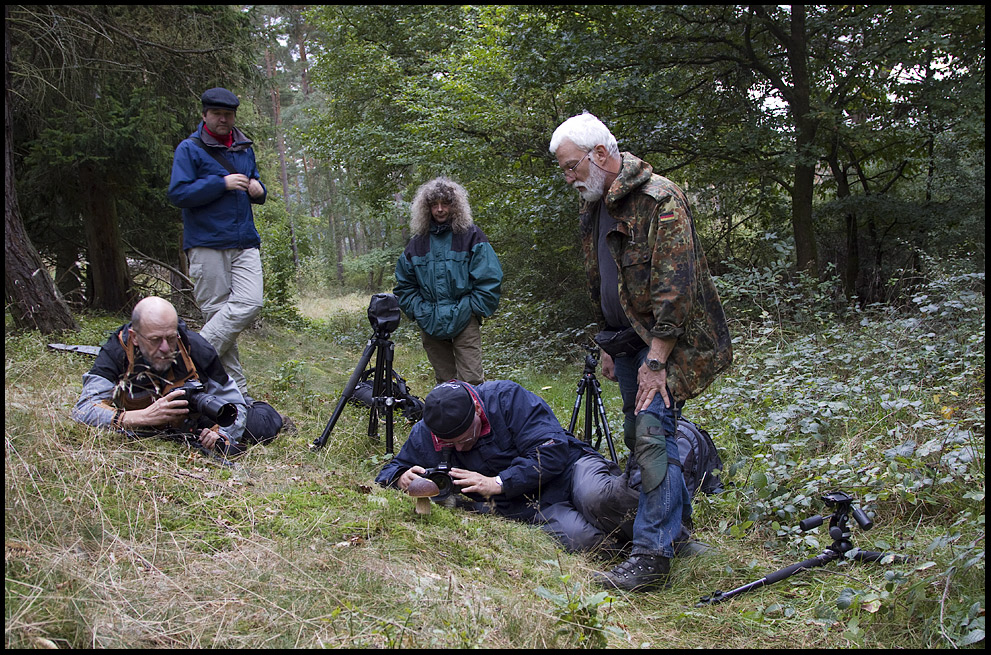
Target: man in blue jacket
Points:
(215, 181)
(509, 455)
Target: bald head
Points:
(155, 322)
(154, 310)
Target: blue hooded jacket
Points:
(212, 216)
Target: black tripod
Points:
(840, 533)
(594, 417)
(383, 314)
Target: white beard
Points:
(592, 188)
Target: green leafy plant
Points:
(580, 616)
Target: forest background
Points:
(834, 156)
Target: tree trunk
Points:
(338, 241)
(851, 268)
(281, 148)
(107, 267)
(806, 254)
(33, 300)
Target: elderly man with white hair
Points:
(662, 330)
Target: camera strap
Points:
(132, 393)
(213, 153)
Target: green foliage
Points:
(278, 267)
(579, 615)
(101, 96)
(706, 94)
(775, 293)
(111, 141)
(885, 403)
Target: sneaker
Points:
(638, 573)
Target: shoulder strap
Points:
(216, 155)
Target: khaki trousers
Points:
(227, 286)
(459, 358)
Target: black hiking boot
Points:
(638, 573)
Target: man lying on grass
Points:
(509, 455)
(156, 377)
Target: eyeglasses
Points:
(463, 439)
(570, 172)
(171, 339)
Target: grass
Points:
(122, 544)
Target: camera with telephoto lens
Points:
(208, 405)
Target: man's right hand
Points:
(409, 475)
(164, 411)
(608, 366)
(236, 182)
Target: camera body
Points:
(208, 405)
(384, 313)
(441, 476)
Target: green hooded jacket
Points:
(443, 278)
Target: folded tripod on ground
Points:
(388, 391)
(841, 545)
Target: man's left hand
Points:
(472, 482)
(650, 383)
(209, 438)
(255, 189)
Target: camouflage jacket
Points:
(664, 284)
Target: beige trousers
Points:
(459, 358)
(227, 285)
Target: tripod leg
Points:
(578, 404)
(777, 576)
(601, 408)
(377, 387)
(591, 424)
(390, 395)
(383, 393)
(349, 388)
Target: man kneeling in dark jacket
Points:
(509, 455)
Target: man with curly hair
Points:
(448, 279)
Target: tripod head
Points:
(838, 528)
(384, 314)
(591, 359)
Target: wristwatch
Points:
(655, 364)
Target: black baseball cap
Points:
(449, 410)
